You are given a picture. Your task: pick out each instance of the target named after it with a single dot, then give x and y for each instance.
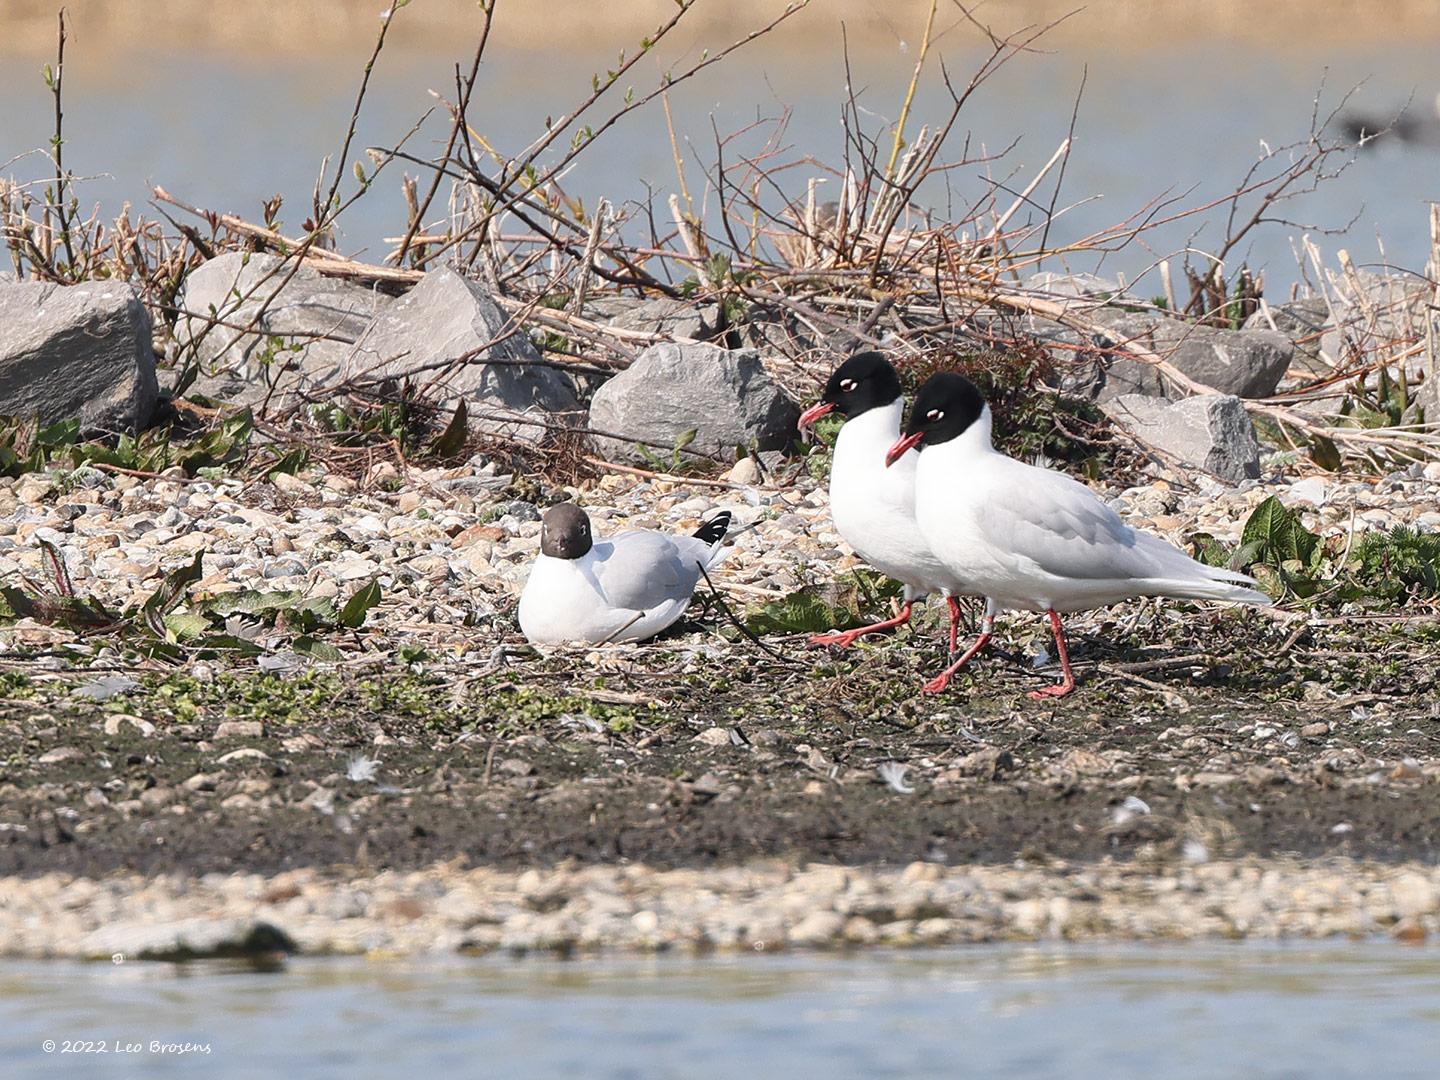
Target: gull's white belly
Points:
(561, 604)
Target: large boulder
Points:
(1374, 312)
(724, 396)
(305, 325)
(680, 319)
(1427, 398)
(1074, 290)
(1246, 363)
(1211, 432)
(76, 352)
(1306, 322)
(447, 333)
(777, 331)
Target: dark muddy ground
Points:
(1239, 732)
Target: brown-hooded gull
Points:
(627, 588)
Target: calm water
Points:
(227, 131)
(1239, 1012)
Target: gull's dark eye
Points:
(935, 415)
(846, 385)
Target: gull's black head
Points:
(865, 381)
(565, 532)
(944, 409)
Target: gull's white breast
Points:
(874, 507)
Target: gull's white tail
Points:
(1183, 578)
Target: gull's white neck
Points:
(973, 442)
(874, 427)
(858, 471)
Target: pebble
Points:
(289, 484)
(245, 753)
(744, 471)
(240, 729)
(59, 754)
(115, 721)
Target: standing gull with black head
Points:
(874, 509)
(1032, 539)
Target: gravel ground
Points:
(755, 907)
(1219, 772)
(451, 549)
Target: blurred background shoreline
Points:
(1179, 101)
(314, 27)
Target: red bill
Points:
(815, 412)
(903, 445)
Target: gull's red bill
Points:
(815, 412)
(903, 445)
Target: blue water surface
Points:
(1257, 1012)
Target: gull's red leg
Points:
(941, 681)
(846, 639)
(1068, 683)
(954, 623)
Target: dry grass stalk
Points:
(871, 265)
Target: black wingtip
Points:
(714, 530)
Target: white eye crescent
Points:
(935, 415)
(846, 385)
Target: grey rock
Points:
(1427, 398)
(1074, 286)
(774, 330)
(680, 319)
(725, 397)
(239, 729)
(524, 511)
(1393, 303)
(1246, 363)
(316, 318)
(447, 317)
(1375, 310)
(76, 352)
(186, 939)
(1305, 322)
(1212, 432)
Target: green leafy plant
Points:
(677, 462)
(813, 610)
(27, 447)
(1398, 565)
(1385, 567)
(803, 611)
(450, 442)
(1273, 535)
(57, 603)
(822, 455)
(1275, 539)
(170, 621)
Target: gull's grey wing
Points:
(1059, 525)
(644, 569)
